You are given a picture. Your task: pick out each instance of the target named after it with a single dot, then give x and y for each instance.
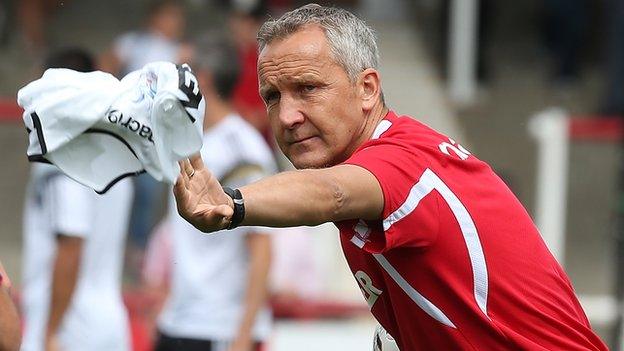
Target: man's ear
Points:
(370, 88)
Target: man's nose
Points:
(290, 115)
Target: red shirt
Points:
(456, 263)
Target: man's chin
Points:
(303, 162)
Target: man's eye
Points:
(271, 96)
(307, 88)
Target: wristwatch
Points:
(239, 206)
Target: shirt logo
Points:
(370, 292)
(455, 147)
(118, 118)
(187, 83)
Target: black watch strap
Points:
(239, 206)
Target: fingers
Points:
(184, 176)
(180, 193)
(187, 167)
(196, 161)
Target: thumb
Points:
(224, 211)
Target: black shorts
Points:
(169, 343)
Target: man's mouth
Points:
(301, 140)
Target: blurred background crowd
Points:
(477, 70)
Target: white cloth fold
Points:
(98, 129)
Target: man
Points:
(10, 333)
(219, 283)
(160, 40)
(73, 250)
(445, 255)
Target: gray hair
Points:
(352, 42)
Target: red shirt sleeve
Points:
(398, 170)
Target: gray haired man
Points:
(445, 255)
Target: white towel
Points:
(98, 129)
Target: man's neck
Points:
(371, 120)
(370, 124)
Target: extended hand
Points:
(200, 198)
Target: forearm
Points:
(293, 198)
(64, 278)
(257, 281)
(305, 197)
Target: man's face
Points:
(170, 20)
(313, 108)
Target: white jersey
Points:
(96, 318)
(209, 274)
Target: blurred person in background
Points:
(156, 275)
(160, 40)
(219, 284)
(445, 255)
(32, 17)
(10, 332)
(73, 253)
(245, 19)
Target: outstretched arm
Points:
(304, 197)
